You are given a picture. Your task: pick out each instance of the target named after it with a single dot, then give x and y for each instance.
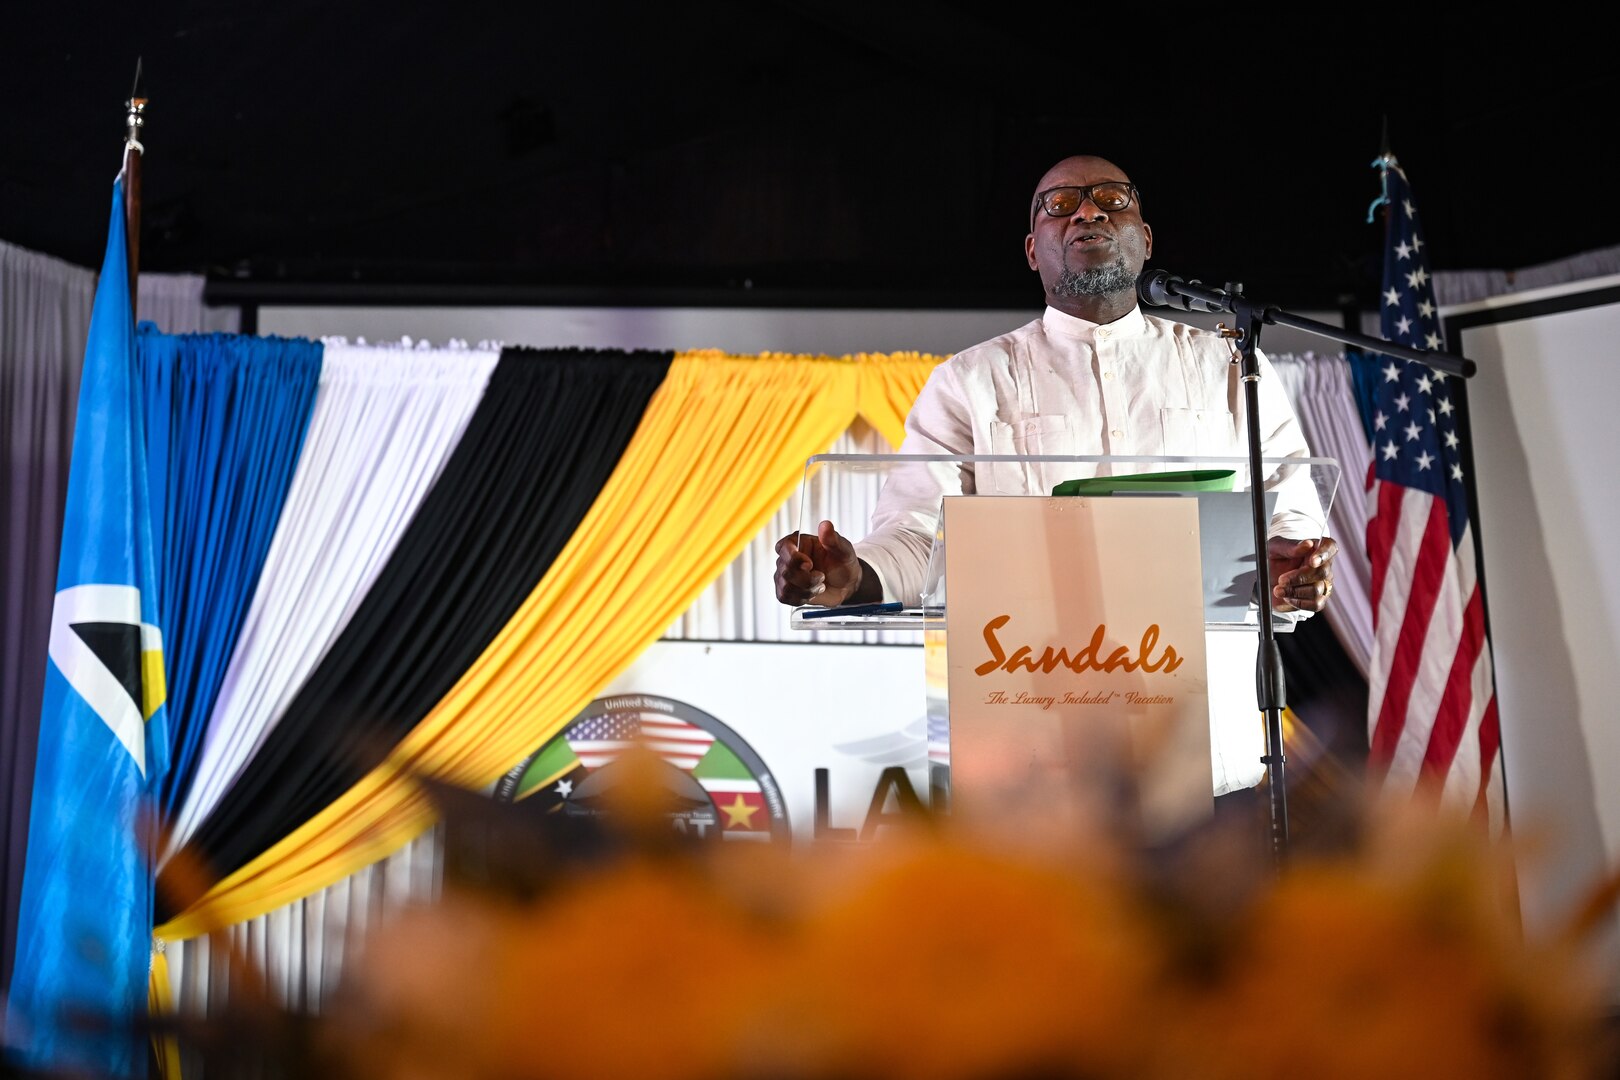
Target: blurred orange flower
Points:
(952, 960)
(940, 954)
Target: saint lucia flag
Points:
(84, 932)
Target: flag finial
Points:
(134, 118)
(1383, 163)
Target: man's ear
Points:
(1147, 234)
(1029, 251)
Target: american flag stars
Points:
(1424, 439)
(1425, 455)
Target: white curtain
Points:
(175, 303)
(1324, 397)
(385, 420)
(299, 950)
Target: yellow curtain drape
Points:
(160, 1005)
(721, 446)
(888, 386)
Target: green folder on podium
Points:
(1184, 480)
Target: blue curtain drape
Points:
(226, 417)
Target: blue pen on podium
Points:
(851, 609)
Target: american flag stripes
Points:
(598, 740)
(1432, 706)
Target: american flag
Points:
(1432, 705)
(598, 740)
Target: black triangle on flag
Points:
(117, 645)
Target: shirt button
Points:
(1118, 434)
(1108, 374)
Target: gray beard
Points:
(1100, 281)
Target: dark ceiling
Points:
(814, 154)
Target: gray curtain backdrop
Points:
(44, 319)
(1453, 287)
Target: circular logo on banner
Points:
(721, 785)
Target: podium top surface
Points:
(991, 472)
(934, 619)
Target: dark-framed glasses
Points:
(1110, 196)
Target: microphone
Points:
(1160, 288)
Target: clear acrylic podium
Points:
(879, 497)
(847, 489)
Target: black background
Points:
(795, 153)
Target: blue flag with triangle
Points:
(84, 930)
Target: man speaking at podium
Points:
(1092, 376)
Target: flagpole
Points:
(134, 120)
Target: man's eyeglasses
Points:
(1110, 196)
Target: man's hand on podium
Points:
(1301, 572)
(821, 568)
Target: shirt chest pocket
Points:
(1031, 435)
(1027, 436)
(1200, 432)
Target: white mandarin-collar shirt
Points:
(1140, 386)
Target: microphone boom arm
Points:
(1160, 288)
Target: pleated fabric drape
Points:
(385, 421)
(225, 420)
(298, 949)
(888, 385)
(740, 604)
(717, 449)
(174, 303)
(298, 952)
(547, 432)
(1322, 388)
(44, 320)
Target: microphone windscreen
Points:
(1152, 288)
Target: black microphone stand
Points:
(1250, 316)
